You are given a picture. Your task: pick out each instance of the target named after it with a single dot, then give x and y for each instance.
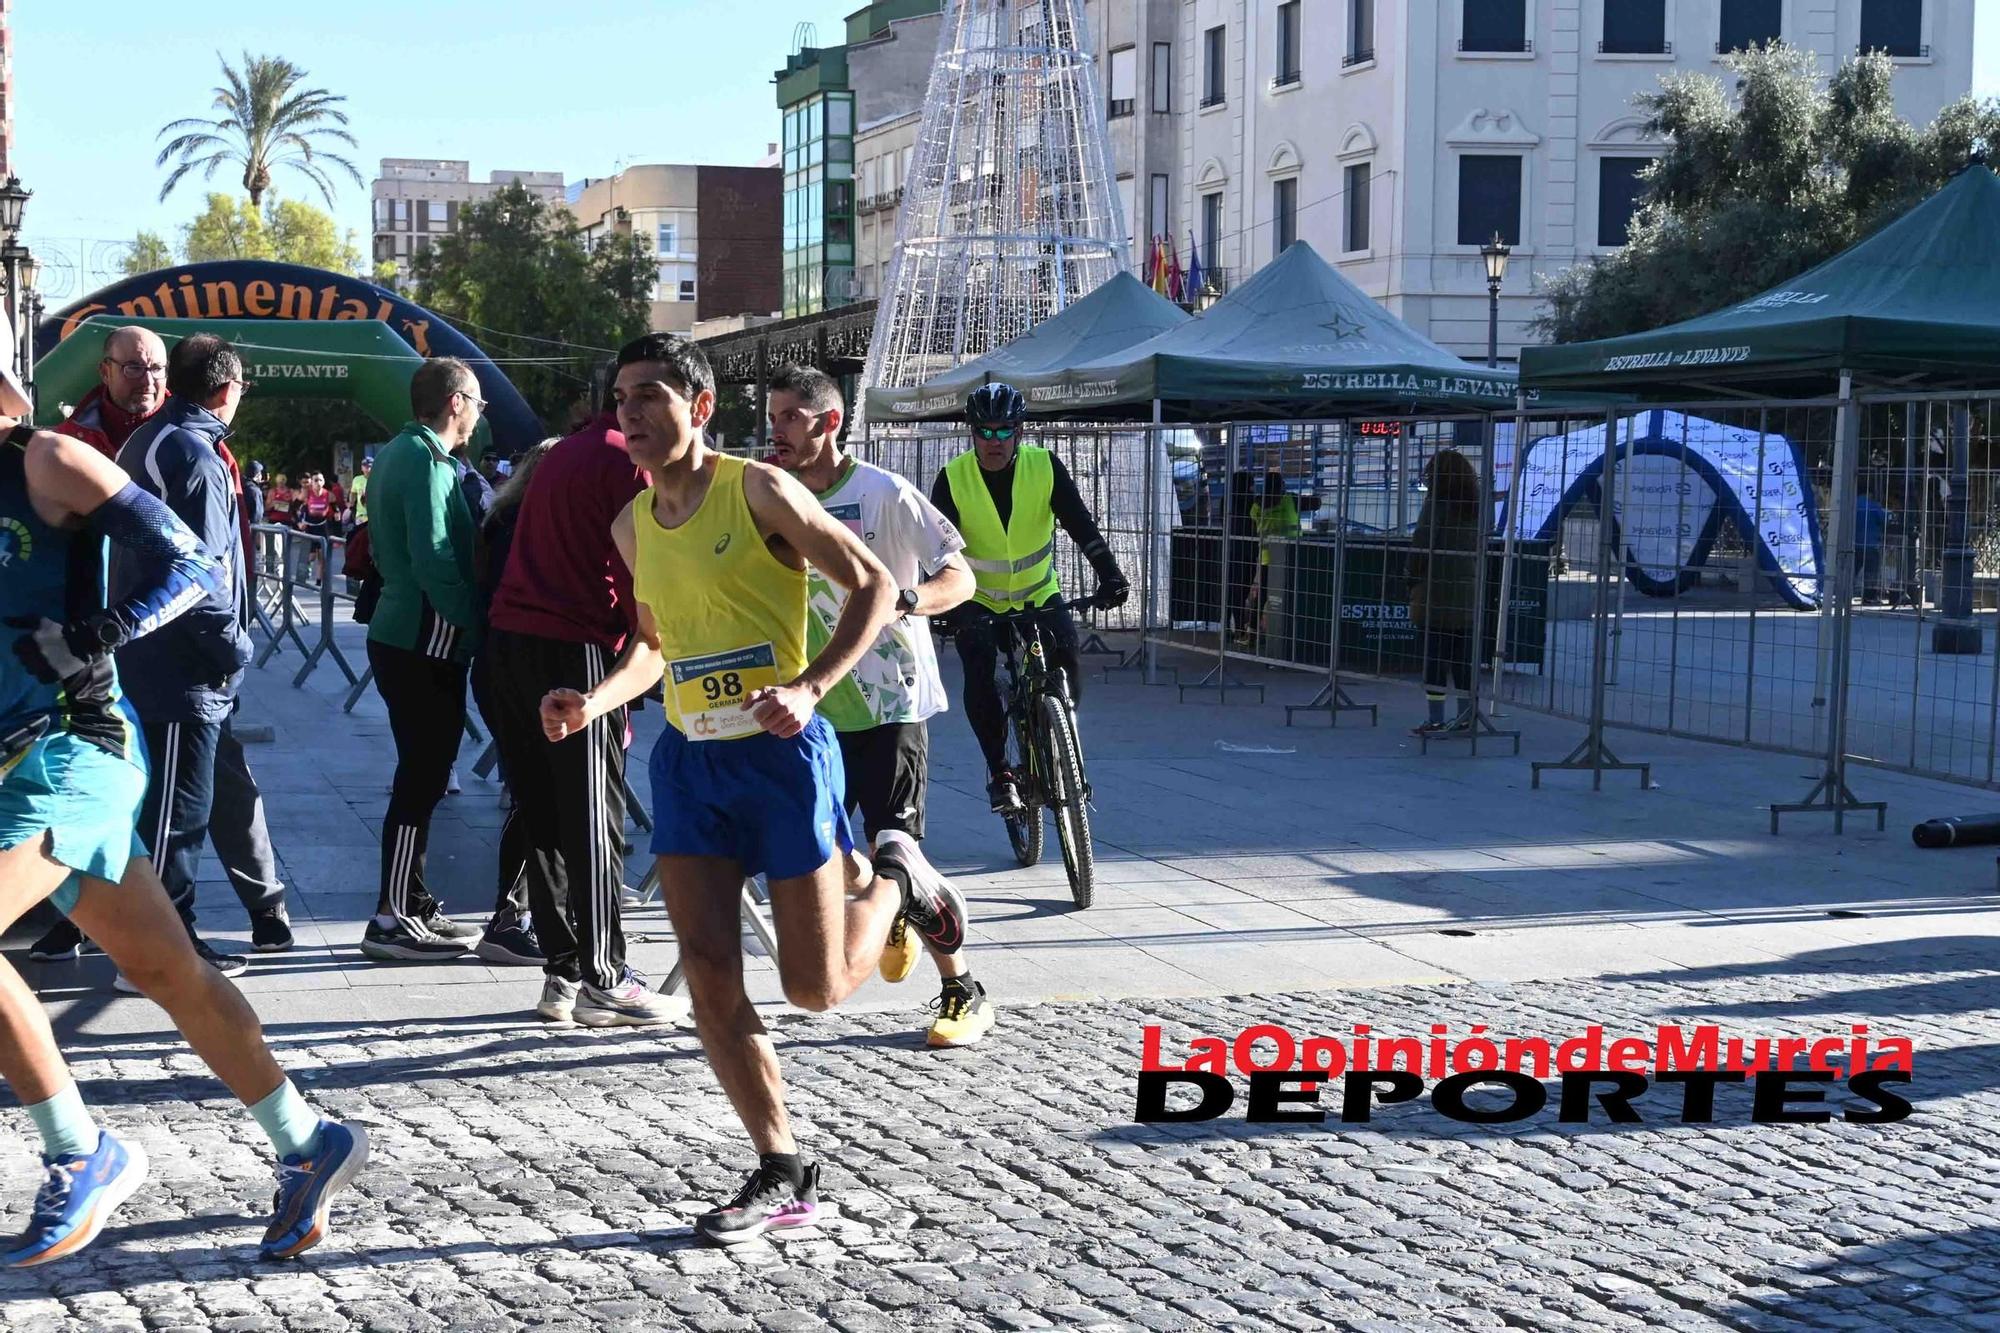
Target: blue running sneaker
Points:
(77, 1199)
(306, 1186)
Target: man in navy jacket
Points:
(184, 680)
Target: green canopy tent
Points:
(362, 360)
(1120, 314)
(1916, 303)
(1298, 340)
(1914, 307)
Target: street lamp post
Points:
(13, 203)
(1495, 253)
(31, 317)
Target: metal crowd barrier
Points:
(1814, 577)
(276, 604)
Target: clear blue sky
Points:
(573, 86)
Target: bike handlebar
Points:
(994, 617)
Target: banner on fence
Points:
(1689, 476)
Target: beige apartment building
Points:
(417, 200)
(714, 232)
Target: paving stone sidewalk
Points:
(536, 1179)
(1233, 851)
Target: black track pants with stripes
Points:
(570, 802)
(180, 798)
(426, 699)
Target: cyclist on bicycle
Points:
(1006, 499)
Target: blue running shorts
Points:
(85, 798)
(775, 806)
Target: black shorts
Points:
(888, 771)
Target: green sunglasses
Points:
(996, 432)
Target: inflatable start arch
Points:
(230, 291)
(1687, 477)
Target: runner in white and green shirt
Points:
(879, 711)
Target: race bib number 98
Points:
(709, 691)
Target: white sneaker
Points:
(631, 1004)
(558, 1000)
(451, 787)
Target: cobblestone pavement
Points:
(537, 1179)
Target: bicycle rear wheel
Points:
(1024, 825)
(1068, 797)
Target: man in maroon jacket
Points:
(559, 618)
(132, 385)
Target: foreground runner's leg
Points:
(89, 1172)
(703, 895)
(317, 1158)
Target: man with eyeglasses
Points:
(131, 387)
(1006, 499)
(420, 644)
(184, 680)
(130, 396)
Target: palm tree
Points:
(267, 121)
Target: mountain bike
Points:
(1044, 750)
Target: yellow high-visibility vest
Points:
(1014, 566)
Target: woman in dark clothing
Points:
(1242, 555)
(1444, 551)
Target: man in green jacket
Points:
(420, 641)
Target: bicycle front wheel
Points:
(1024, 825)
(1068, 796)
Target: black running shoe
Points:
(271, 930)
(931, 902)
(767, 1202)
(510, 941)
(62, 943)
(229, 964)
(406, 942)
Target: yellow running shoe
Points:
(899, 955)
(964, 1015)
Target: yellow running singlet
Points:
(731, 615)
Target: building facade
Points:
(417, 200)
(849, 116)
(1137, 46)
(1398, 138)
(713, 232)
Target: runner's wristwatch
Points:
(105, 629)
(906, 601)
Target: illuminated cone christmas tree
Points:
(1009, 213)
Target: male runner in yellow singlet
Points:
(748, 779)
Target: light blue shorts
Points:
(85, 799)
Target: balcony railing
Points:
(1527, 46)
(1659, 48)
(1897, 52)
(1361, 57)
(1212, 99)
(1285, 78)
